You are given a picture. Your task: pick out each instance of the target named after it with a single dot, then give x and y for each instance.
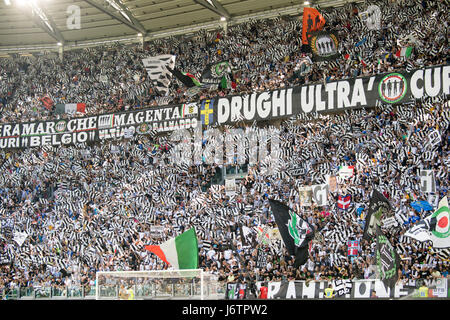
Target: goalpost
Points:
(158, 284)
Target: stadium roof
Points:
(38, 24)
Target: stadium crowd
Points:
(265, 54)
(88, 208)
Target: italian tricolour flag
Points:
(180, 252)
(346, 171)
(70, 108)
(404, 52)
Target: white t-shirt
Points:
(310, 266)
(227, 254)
(366, 273)
(211, 253)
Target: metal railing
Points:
(151, 291)
(31, 293)
(164, 291)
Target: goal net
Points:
(157, 284)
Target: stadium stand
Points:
(89, 207)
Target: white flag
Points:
(372, 17)
(320, 194)
(434, 138)
(157, 71)
(427, 181)
(20, 237)
(230, 187)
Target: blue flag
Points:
(421, 206)
(360, 43)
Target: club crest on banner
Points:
(298, 229)
(386, 259)
(61, 126)
(392, 88)
(324, 45)
(106, 121)
(220, 68)
(143, 128)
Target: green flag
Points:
(180, 252)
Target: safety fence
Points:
(342, 289)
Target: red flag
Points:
(344, 202)
(312, 21)
(47, 101)
(158, 251)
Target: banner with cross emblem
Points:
(207, 112)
